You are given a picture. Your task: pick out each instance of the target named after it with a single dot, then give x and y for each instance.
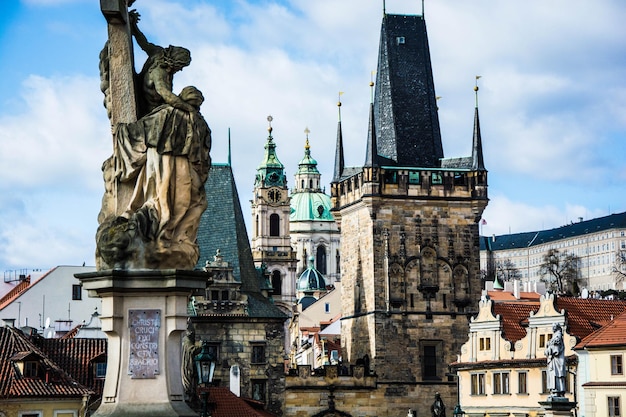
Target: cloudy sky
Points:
(552, 101)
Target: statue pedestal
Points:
(557, 407)
(144, 313)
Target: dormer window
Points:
(400, 40)
(31, 369)
(28, 364)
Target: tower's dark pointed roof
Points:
(339, 160)
(407, 124)
(478, 163)
(371, 154)
(222, 227)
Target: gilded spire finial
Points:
(306, 132)
(339, 104)
(372, 85)
(269, 121)
(476, 89)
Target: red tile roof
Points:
(53, 382)
(498, 296)
(514, 316)
(227, 404)
(584, 316)
(14, 293)
(611, 335)
(77, 357)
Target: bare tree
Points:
(507, 271)
(561, 272)
(619, 266)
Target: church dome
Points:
(311, 279)
(307, 206)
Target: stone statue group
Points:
(154, 181)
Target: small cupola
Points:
(311, 280)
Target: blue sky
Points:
(552, 101)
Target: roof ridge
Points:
(15, 292)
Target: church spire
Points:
(339, 161)
(271, 171)
(478, 162)
(371, 155)
(229, 150)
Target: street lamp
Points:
(458, 411)
(205, 366)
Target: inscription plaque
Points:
(144, 343)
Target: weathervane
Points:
(269, 120)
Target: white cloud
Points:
(504, 216)
(59, 138)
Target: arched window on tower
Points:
(256, 226)
(320, 259)
(277, 282)
(310, 183)
(274, 225)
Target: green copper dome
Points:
(309, 206)
(308, 201)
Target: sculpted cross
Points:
(122, 103)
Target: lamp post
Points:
(205, 366)
(458, 411)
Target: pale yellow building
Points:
(601, 370)
(500, 376)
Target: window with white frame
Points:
(501, 383)
(478, 384)
(614, 407)
(65, 413)
(617, 365)
(522, 382)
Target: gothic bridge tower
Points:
(409, 229)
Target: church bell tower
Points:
(271, 245)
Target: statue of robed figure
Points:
(154, 180)
(557, 368)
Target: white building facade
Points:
(596, 242)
